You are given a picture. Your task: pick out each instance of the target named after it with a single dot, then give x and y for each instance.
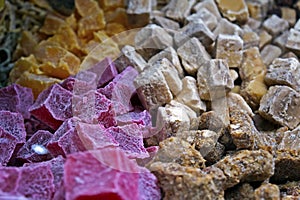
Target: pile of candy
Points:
(93, 126)
(198, 100)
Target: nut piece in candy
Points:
(203, 140)
(267, 191)
(179, 182)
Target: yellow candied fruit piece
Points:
(87, 7)
(67, 38)
(59, 62)
(72, 21)
(99, 38)
(87, 25)
(22, 65)
(37, 83)
(99, 52)
(118, 16)
(27, 43)
(52, 24)
(111, 4)
(114, 28)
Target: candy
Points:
(34, 150)
(108, 174)
(34, 182)
(130, 139)
(8, 144)
(16, 98)
(13, 124)
(65, 139)
(53, 106)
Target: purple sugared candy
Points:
(16, 98)
(138, 117)
(65, 139)
(57, 168)
(83, 82)
(13, 124)
(130, 139)
(34, 150)
(33, 182)
(94, 136)
(120, 91)
(107, 174)
(7, 146)
(105, 71)
(92, 107)
(53, 106)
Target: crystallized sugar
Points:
(53, 106)
(57, 168)
(34, 182)
(7, 146)
(120, 90)
(138, 117)
(13, 124)
(94, 136)
(16, 98)
(107, 174)
(130, 139)
(105, 71)
(34, 150)
(83, 82)
(65, 139)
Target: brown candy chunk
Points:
(229, 48)
(281, 104)
(267, 191)
(214, 79)
(284, 71)
(246, 165)
(140, 9)
(275, 25)
(234, 10)
(193, 55)
(176, 150)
